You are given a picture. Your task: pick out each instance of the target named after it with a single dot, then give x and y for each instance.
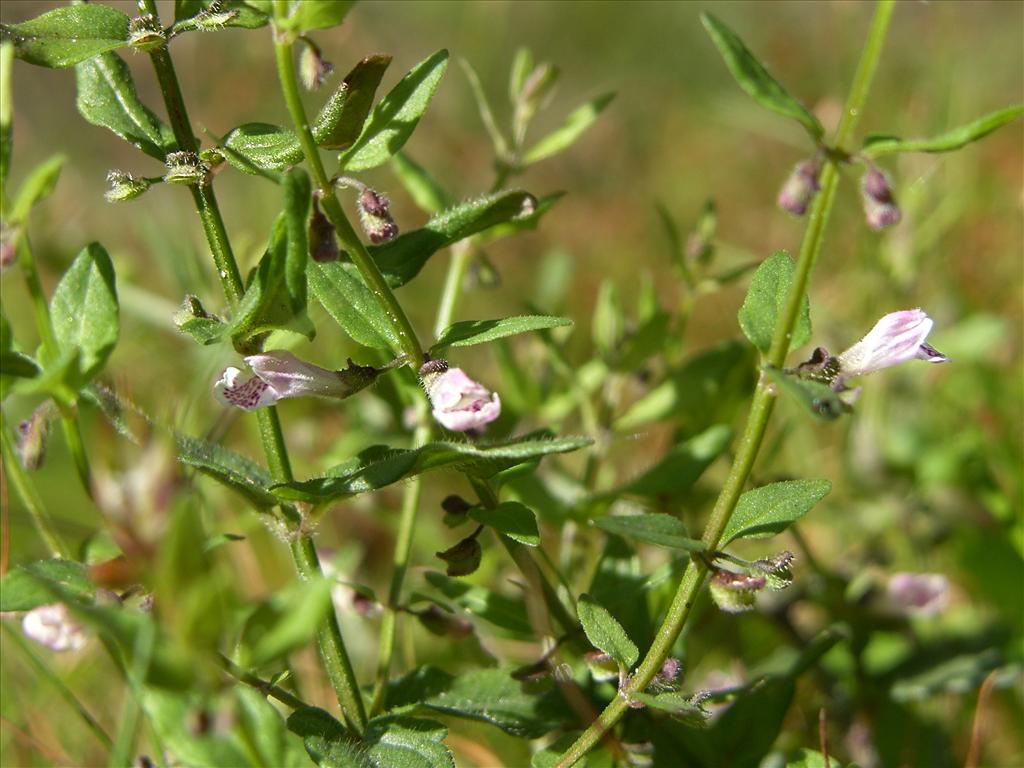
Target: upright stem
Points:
(329, 202)
(453, 281)
(332, 647)
(760, 408)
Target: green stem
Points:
(454, 280)
(29, 497)
(263, 686)
(367, 267)
(332, 647)
(761, 406)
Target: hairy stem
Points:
(332, 647)
(761, 406)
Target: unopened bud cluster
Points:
(375, 216)
(803, 183)
(880, 209)
(800, 188)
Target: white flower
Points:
(52, 626)
(459, 403)
(896, 338)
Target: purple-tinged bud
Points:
(735, 592)
(124, 186)
(438, 622)
(918, 594)
(669, 671)
(323, 246)
(375, 216)
(800, 188)
(459, 403)
(30, 442)
(185, 168)
(313, 70)
(896, 338)
(464, 558)
(145, 33)
(51, 625)
(280, 374)
(880, 207)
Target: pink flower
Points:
(281, 374)
(918, 594)
(51, 625)
(896, 338)
(459, 403)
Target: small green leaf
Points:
(402, 258)
(66, 36)
(771, 509)
(379, 466)
(660, 529)
(605, 633)
(25, 587)
(107, 98)
(342, 118)
(391, 741)
(297, 195)
(810, 758)
(173, 716)
(685, 463)
(265, 146)
(755, 79)
(321, 14)
(339, 287)
(264, 729)
(766, 301)
(287, 621)
(423, 188)
(484, 108)
(394, 118)
(564, 137)
(818, 398)
(466, 333)
(508, 615)
(84, 309)
(511, 518)
(955, 138)
(230, 468)
(37, 186)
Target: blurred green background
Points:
(928, 472)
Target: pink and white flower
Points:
(918, 594)
(51, 625)
(896, 338)
(280, 374)
(459, 403)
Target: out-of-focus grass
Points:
(928, 466)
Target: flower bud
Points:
(459, 403)
(375, 216)
(51, 625)
(280, 374)
(439, 622)
(896, 338)
(145, 33)
(735, 592)
(313, 70)
(323, 246)
(124, 186)
(800, 188)
(918, 594)
(185, 168)
(464, 558)
(30, 442)
(880, 207)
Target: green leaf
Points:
(25, 587)
(402, 258)
(755, 79)
(511, 518)
(339, 287)
(230, 468)
(341, 120)
(771, 509)
(466, 333)
(173, 717)
(84, 309)
(107, 98)
(810, 758)
(766, 301)
(565, 136)
(660, 529)
(955, 138)
(380, 465)
(66, 36)
(297, 196)
(605, 633)
(287, 621)
(485, 695)
(683, 465)
(321, 14)
(423, 188)
(265, 146)
(37, 186)
(394, 118)
(484, 108)
(265, 730)
(814, 396)
(522, 223)
(505, 613)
